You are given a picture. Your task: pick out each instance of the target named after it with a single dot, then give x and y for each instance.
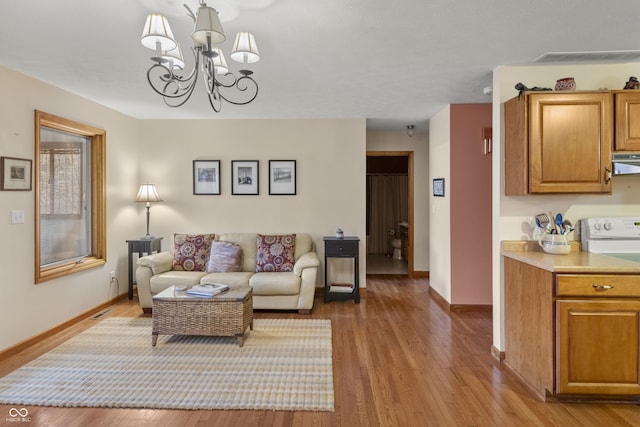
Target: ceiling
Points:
(391, 62)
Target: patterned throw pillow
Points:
(191, 251)
(225, 257)
(276, 253)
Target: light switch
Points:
(17, 216)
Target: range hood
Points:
(626, 163)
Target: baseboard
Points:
(442, 302)
(420, 274)
(497, 354)
(17, 348)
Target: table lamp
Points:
(147, 193)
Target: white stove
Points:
(611, 235)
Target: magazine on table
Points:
(207, 289)
(341, 287)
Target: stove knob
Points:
(608, 226)
(596, 226)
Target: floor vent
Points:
(589, 57)
(99, 315)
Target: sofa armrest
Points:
(308, 260)
(158, 263)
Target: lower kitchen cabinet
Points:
(598, 346)
(573, 335)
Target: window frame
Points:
(98, 255)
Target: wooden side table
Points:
(141, 247)
(347, 247)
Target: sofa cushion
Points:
(224, 257)
(160, 282)
(233, 280)
(275, 283)
(247, 242)
(275, 253)
(191, 251)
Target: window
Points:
(70, 219)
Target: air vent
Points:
(589, 57)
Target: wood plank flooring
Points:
(399, 360)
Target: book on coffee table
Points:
(207, 290)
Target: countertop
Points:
(576, 261)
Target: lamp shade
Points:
(147, 193)
(219, 62)
(174, 57)
(156, 30)
(245, 48)
(208, 25)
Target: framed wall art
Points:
(206, 177)
(244, 177)
(438, 187)
(282, 177)
(16, 174)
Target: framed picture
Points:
(244, 177)
(206, 177)
(282, 177)
(438, 187)
(16, 174)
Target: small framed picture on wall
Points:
(206, 177)
(244, 177)
(15, 174)
(438, 187)
(282, 177)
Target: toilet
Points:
(396, 244)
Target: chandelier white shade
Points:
(167, 76)
(157, 33)
(245, 49)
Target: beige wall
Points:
(419, 144)
(440, 207)
(27, 309)
(513, 216)
(331, 167)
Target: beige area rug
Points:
(285, 364)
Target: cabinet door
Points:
(597, 347)
(627, 120)
(570, 140)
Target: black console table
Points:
(346, 247)
(141, 247)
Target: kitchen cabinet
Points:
(558, 142)
(573, 335)
(627, 120)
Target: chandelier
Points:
(167, 75)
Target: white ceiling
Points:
(391, 62)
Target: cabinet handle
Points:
(607, 175)
(602, 287)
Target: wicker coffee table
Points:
(226, 314)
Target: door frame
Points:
(409, 156)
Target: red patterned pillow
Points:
(276, 253)
(191, 251)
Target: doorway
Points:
(389, 212)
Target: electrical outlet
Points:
(112, 276)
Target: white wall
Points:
(440, 212)
(513, 216)
(419, 144)
(331, 168)
(27, 309)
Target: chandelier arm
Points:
(244, 88)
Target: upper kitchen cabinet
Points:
(558, 142)
(627, 120)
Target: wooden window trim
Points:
(98, 256)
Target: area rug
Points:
(285, 364)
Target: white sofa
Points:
(271, 290)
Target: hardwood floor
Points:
(399, 360)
